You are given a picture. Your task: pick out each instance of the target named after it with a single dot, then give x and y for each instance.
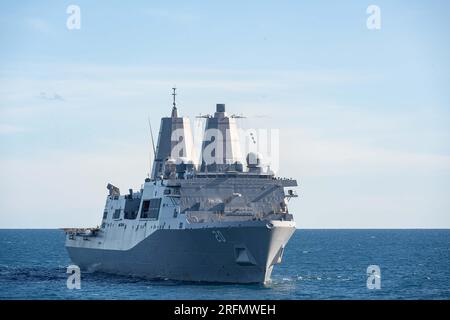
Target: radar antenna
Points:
(174, 109)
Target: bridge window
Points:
(116, 214)
(131, 208)
(150, 208)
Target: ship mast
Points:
(174, 109)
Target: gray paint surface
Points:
(193, 255)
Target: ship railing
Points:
(85, 232)
(202, 217)
(209, 217)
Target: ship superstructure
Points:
(215, 221)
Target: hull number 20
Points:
(219, 236)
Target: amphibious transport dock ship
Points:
(215, 221)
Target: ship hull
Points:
(231, 254)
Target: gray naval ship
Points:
(214, 221)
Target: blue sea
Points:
(317, 264)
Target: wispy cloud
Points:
(51, 97)
(328, 157)
(90, 173)
(38, 24)
(10, 129)
(171, 15)
(121, 81)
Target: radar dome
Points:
(253, 159)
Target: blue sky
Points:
(363, 114)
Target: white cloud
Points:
(50, 97)
(11, 129)
(39, 25)
(170, 15)
(65, 188)
(313, 156)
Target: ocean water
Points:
(318, 264)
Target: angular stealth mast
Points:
(220, 148)
(175, 141)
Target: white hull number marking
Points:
(219, 236)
